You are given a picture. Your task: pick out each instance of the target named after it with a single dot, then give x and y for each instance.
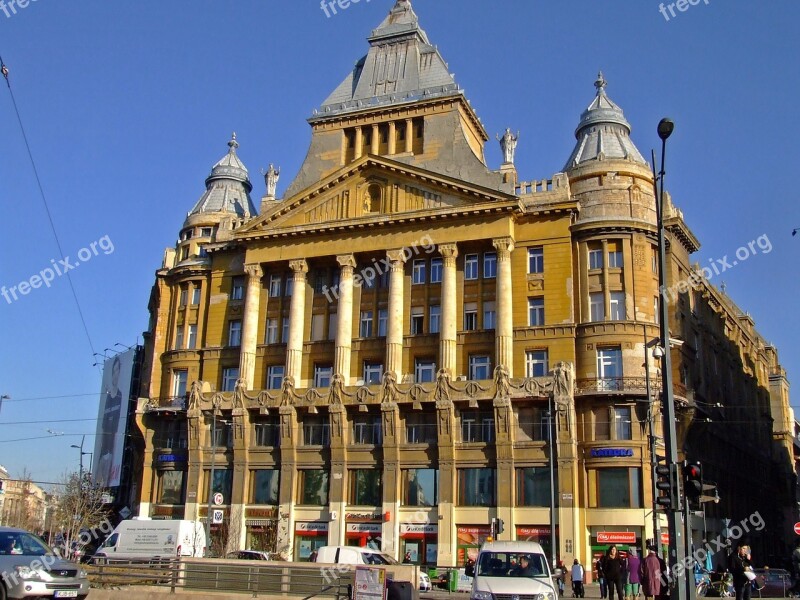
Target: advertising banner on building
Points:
(112, 418)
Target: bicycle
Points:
(721, 587)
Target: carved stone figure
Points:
(271, 177)
(336, 390)
(508, 144)
(195, 394)
(389, 393)
(388, 422)
(562, 380)
(502, 383)
(239, 393)
(442, 393)
(287, 391)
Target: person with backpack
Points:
(577, 579)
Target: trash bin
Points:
(400, 590)
(453, 581)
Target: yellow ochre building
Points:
(387, 350)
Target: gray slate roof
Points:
(401, 66)
(603, 132)
(228, 187)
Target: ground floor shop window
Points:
(470, 540)
(616, 487)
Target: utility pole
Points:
(652, 437)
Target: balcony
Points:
(170, 404)
(620, 386)
(421, 433)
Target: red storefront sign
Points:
(523, 532)
(616, 537)
(665, 538)
(311, 528)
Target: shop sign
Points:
(479, 530)
(616, 537)
(611, 452)
(665, 538)
(316, 526)
(364, 528)
(533, 531)
(261, 513)
(170, 458)
(417, 528)
(364, 517)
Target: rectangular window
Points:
(471, 266)
(275, 286)
(533, 486)
(477, 426)
(179, 379)
(267, 432)
(435, 318)
(609, 368)
(313, 487)
(333, 324)
(170, 487)
(373, 373)
(191, 342)
(205, 232)
(366, 324)
(480, 368)
(470, 316)
(196, 295)
(490, 265)
(235, 333)
(266, 484)
(654, 259)
(536, 259)
(222, 484)
(418, 272)
(365, 487)
(285, 330)
(366, 430)
(383, 321)
(489, 315)
(179, 337)
(424, 370)
(536, 311)
(275, 377)
(289, 285)
(222, 436)
(184, 295)
(533, 424)
(536, 363)
(617, 487)
(420, 487)
(229, 377)
(421, 428)
(615, 259)
(436, 270)
(322, 376)
(622, 422)
(237, 288)
(476, 487)
(317, 327)
(595, 258)
(617, 308)
(316, 430)
(271, 336)
(417, 320)
(602, 427)
(320, 280)
(597, 306)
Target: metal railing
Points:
(246, 577)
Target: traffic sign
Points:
(218, 499)
(797, 528)
(217, 516)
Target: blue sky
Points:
(128, 105)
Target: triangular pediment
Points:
(373, 189)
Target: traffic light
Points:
(692, 479)
(667, 482)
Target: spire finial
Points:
(233, 144)
(600, 84)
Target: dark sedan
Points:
(772, 583)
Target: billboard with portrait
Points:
(112, 418)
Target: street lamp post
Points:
(211, 476)
(652, 435)
(677, 548)
(550, 428)
(80, 464)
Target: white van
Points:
(146, 539)
(353, 555)
(507, 569)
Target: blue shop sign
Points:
(170, 458)
(611, 452)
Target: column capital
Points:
(396, 256)
(299, 266)
(346, 260)
(504, 244)
(255, 271)
(448, 250)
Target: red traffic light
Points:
(693, 479)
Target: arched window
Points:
(372, 203)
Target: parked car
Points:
(425, 584)
(249, 555)
(353, 555)
(772, 583)
(511, 569)
(30, 568)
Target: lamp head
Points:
(665, 128)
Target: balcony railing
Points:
(421, 434)
(168, 404)
(616, 385)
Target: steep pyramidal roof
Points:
(603, 132)
(401, 66)
(228, 187)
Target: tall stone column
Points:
(409, 135)
(247, 358)
(392, 137)
(504, 331)
(294, 349)
(447, 335)
(394, 329)
(344, 330)
(359, 143)
(376, 139)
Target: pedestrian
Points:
(743, 573)
(632, 587)
(601, 577)
(650, 575)
(577, 579)
(407, 558)
(562, 577)
(613, 570)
